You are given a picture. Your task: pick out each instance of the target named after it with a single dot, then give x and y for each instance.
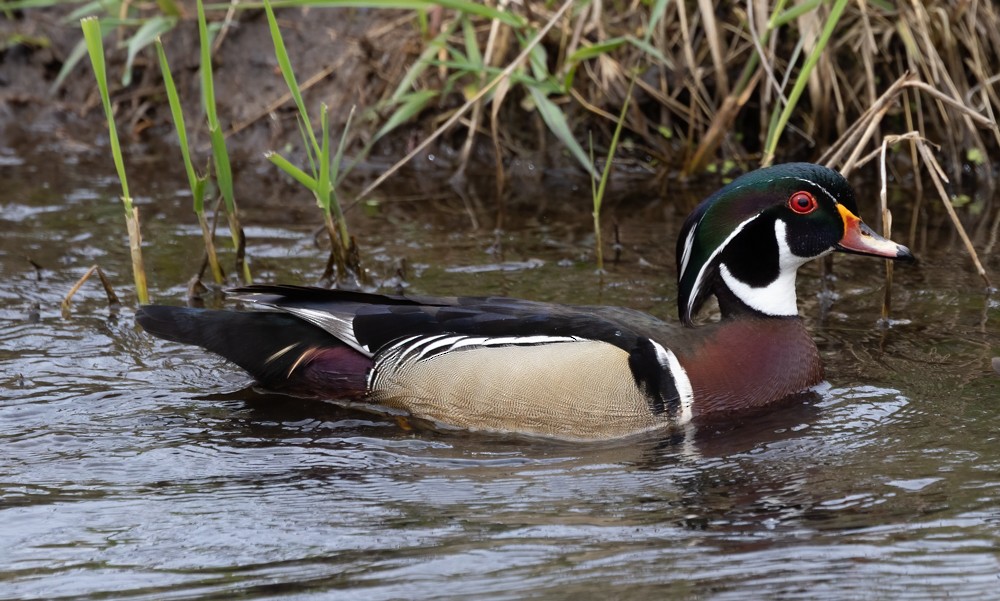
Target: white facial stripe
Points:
(701, 273)
(688, 243)
(825, 191)
(668, 360)
(778, 297)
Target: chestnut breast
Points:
(750, 363)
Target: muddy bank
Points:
(337, 46)
(342, 57)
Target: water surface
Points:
(135, 468)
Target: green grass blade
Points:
(197, 184)
(285, 64)
(223, 170)
(472, 52)
(95, 47)
(787, 16)
(556, 122)
(297, 174)
(220, 155)
(606, 172)
(144, 36)
(655, 16)
(605, 175)
(207, 83)
(335, 176)
(539, 61)
(311, 151)
(800, 82)
(90, 9)
(179, 126)
(593, 180)
(339, 158)
(323, 181)
(650, 49)
(412, 105)
(595, 50)
(75, 56)
(613, 44)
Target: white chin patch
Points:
(778, 297)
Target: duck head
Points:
(745, 242)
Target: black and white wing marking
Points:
(405, 333)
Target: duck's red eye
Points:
(802, 203)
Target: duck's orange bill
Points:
(860, 239)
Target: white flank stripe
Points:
(465, 341)
(444, 341)
(450, 343)
(668, 361)
(522, 340)
(403, 346)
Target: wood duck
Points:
(562, 371)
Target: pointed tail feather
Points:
(280, 351)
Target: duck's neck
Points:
(750, 362)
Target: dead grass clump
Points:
(746, 82)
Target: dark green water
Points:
(135, 468)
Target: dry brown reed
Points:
(713, 75)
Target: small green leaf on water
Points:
(666, 132)
(960, 200)
(975, 156)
